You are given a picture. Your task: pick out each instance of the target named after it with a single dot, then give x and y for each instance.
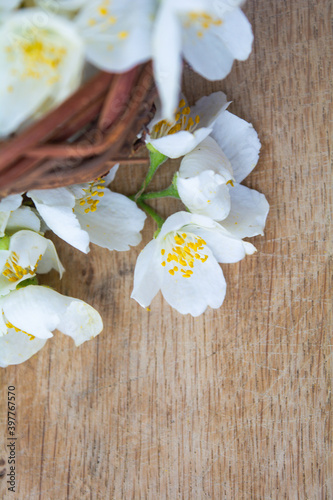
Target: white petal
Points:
(249, 210)
(239, 141)
(23, 218)
(180, 143)
(39, 311)
(55, 207)
(4, 216)
(207, 54)
(28, 246)
(205, 194)
(206, 287)
(9, 4)
(7, 205)
(17, 347)
(80, 321)
(115, 224)
(236, 34)
(175, 222)
(225, 246)
(117, 36)
(167, 61)
(209, 108)
(111, 175)
(147, 275)
(33, 310)
(206, 156)
(50, 260)
(10, 203)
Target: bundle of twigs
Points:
(71, 144)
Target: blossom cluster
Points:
(217, 150)
(47, 45)
(43, 51)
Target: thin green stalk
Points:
(150, 211)
(156, 159)
(170, 191)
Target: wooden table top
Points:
(234, 404)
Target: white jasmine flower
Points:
(209, 35)
(189, 128)
(183, 260)
(117, 33)
(41, 60)
(29, 316)
(208, 180)
(91, 212)
(28, 253)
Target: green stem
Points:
(156, 159)
(170, 191)
(150, 211)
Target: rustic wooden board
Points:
(236, 403)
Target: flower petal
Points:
(55, 207)
(146, 275)
(33, 310)
(249, 210)
(10, 203)
(7, 205)
(38, 311)
(206, 156)
(167, 61)
(239, 141)
(207, 53)
(32, 248)
(236, 33)
(226, 247)
(17, 347)
(180, 143)
(23, 218)
(80, 321)
(205, 287)
(205, 194)
(117, 36)
(115, 224)
(209, 108)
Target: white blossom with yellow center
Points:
(117, 32)
(41, 60)
(208, 34)
(29, 316)
(28, 253)
(91, 212)
(209, 177)
(182, 262)
(191, 125)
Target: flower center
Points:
(202, 21)
(183, 121)
(185, 249)
(14, 272)
(91, 199)
(40, 57)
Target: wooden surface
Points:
(236, 403)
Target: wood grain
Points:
(236, 403)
